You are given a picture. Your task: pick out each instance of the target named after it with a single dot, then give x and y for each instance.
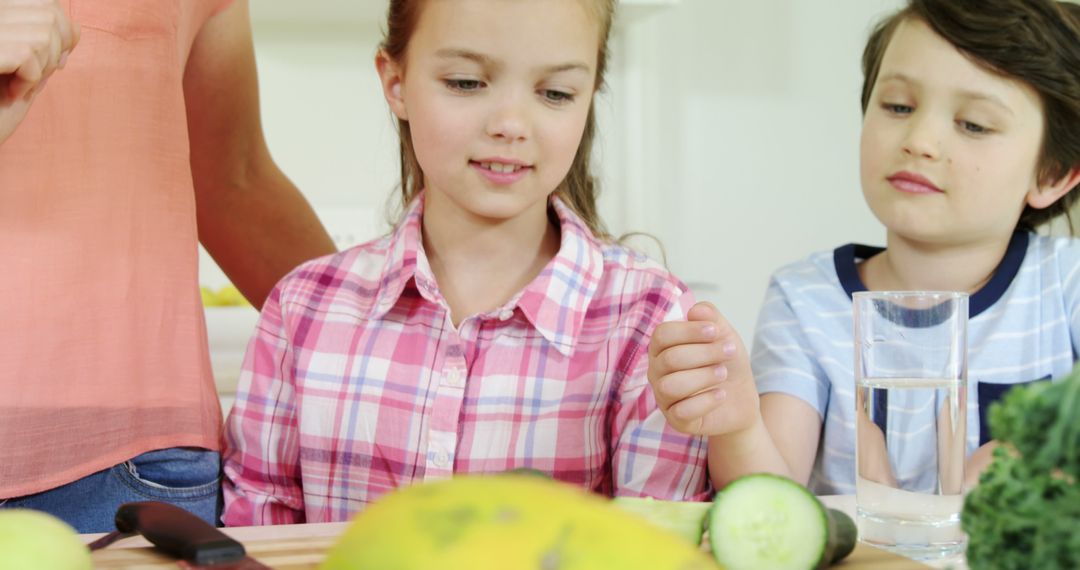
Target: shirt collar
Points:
(847, 258)
(403, 254)
(555, 302)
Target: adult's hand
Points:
(36, 37)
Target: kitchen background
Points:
(729, 132)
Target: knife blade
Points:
(180, 534)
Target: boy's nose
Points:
(922, 139)
(509, 119)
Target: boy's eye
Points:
(464, 85)
(557, 97)
(973, 128)
(897, 109)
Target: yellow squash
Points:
(506, 522)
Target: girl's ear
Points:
(1043, 195)
(392, 77)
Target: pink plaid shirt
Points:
(356, 382)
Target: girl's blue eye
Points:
(557, 97)
(973, 128)
(897, 109)
(464, 84)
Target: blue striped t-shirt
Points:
(1024, 326)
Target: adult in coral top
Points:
(145, 141)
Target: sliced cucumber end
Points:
(683, 518)
(842, 535)
(768, 521)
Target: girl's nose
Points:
(508, 120)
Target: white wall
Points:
(753, 115)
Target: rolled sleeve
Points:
(650, 458)
(261, 461)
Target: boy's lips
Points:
(501, 171)
(913, 183)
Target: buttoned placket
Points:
(451, 377)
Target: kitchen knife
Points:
(180, 534)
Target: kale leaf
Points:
(1025, 512)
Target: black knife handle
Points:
(178, 533)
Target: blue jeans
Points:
(189, 478)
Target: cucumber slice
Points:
(684, 518)
(768, 521)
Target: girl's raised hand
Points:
(35, 38)
(700, 374)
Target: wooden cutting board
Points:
(277, 553)
(866, 556)
(307, 552)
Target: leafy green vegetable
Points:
(1025, 512)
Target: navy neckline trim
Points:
(845, 257)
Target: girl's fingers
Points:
(677, 333)
(686, 415)
(683, 384)
(703, 311)
(689, 357)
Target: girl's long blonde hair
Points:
(578, 190)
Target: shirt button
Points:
(442, 459)
(505, 314)
(455, 379)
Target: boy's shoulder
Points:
(1053, 245)
(1058, 254)
(818, 267)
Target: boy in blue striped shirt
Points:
(970, 140)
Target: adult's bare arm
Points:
(252, 220)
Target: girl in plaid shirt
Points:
(498, 326)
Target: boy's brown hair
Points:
(1033, 41)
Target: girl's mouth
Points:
(501, 172)
(501, 167)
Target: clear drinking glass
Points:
(911, 420)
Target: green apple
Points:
(683, 518)
(32, 540)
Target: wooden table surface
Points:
(305, 550)
(303, 546)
